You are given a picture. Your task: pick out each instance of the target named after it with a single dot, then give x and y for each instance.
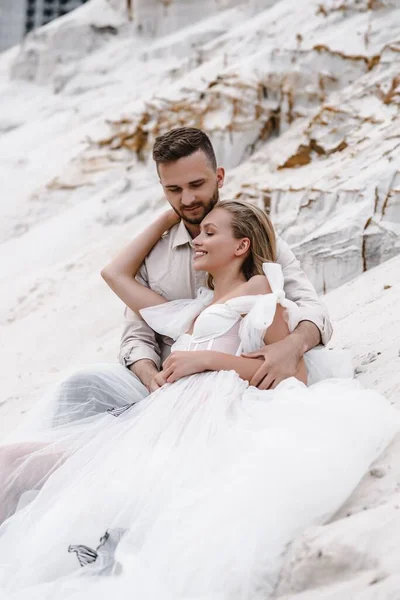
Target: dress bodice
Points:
(238, 325)
(227, 341)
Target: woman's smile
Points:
(199, 254)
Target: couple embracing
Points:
(185, 472)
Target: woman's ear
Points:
(242, 247)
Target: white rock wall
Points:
(163, 17)
(302, 102)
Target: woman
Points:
(196, 491)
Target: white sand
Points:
(236, 68)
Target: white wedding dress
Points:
(196, 491)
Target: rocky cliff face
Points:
(301, 100)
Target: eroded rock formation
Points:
(302, 102)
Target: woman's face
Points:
(215, 246)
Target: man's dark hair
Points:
(182, 142)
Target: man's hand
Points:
(146, 371)
(158, 381)
(181, 364)
(280, 361)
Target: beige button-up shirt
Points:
(168, 271)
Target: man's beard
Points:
(206, 209)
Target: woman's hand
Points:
(182, 364)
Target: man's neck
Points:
(193, 230)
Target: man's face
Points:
(191, 186)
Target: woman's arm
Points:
(120, 273)
(277, 331)
(182, 364)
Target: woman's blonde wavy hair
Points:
(249, 221)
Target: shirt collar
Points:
(182, 236)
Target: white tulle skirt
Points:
(193, 493)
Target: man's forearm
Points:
(305, 336)
(145, 370)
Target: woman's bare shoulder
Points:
(258, 284)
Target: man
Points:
(191, 181)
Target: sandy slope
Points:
(302, 102)
(355, 556)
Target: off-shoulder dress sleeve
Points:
(175, 318)
(261, 314)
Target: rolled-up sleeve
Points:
(138, 340)
(299, 289)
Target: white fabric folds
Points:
(175, 318)
(262, 313)
(193, 492)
